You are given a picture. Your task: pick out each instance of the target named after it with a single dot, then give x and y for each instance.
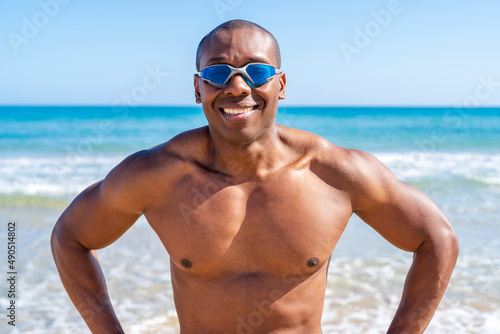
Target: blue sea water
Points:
(49, 154)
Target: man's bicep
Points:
(401, 213)
(97, 217)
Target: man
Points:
(251, 254)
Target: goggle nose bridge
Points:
(236, 71)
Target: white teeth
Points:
(236, 111)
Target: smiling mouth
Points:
(238, 111)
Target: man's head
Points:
(240, 111)
(233, 25)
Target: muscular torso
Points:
(249, 256)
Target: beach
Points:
(50, 154)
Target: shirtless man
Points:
(250, 211)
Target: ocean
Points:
(50, 154)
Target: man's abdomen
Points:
(251, 302)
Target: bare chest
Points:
(290, 223)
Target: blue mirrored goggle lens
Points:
(259, 73)
(216, 74)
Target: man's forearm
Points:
(425, 284)
(84, 282)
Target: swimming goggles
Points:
(255, 74)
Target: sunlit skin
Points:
(249, 212)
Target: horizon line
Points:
(279, 106)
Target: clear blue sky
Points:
(341, 53)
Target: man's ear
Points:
(282, 77)
(197, 94)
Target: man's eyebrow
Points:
(258, 60)
(215, 60)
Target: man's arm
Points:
(95, 219)
(409, 220)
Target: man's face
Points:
(239, 113)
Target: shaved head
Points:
(234, 25)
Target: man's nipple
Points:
(313, 262)
(186, 263)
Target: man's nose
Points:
(237, 86)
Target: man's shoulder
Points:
(189, 146)
(176, 156)
(319, 149)
(333, 163)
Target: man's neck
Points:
(245, 158)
